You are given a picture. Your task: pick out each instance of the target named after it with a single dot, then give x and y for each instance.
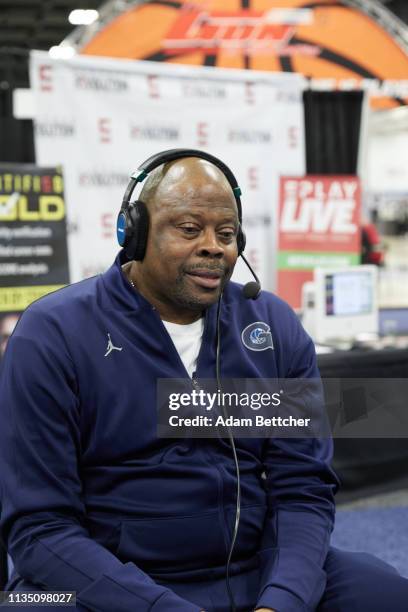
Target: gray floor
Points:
(386, 500)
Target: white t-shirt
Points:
(187, 340)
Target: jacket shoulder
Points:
(55, 308)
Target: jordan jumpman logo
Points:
(111, 347)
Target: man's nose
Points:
(209, 245)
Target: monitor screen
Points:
(349, 293)
(341, 304)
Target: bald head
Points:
(181, 180)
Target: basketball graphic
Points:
(325, 39)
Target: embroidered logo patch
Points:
(257, 336)
(111, 347)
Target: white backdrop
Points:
(101, 118)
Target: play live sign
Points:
(319, 225)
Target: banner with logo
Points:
(33, 241)
(101, 118)
(319, 225)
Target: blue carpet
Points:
(380, 531)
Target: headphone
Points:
(132, 227)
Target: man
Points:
(94, 502)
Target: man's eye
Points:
(227, 234)
(189, 229)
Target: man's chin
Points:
(194, 296)
(201, 300)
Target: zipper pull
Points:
(195, 382)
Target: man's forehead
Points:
(196, 195)
(194, 183)
(197, 207)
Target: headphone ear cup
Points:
(138, 231)
(241, 240)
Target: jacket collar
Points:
(117, 293)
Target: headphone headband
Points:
(165, 157)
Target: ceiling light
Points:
(61, 52)
(83, 16)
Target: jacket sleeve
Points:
(42, 519)
(300, 488)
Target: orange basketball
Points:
(322, 40)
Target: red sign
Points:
(319, 225)
(105, 129)
(245, 30)
(45, 77)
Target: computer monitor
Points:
(341, 303)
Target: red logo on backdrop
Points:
(253, 257)
(108, 225)
(293, 136)
(251, 32)
(202, 133)
(250, 93)
(105, 130)
(45, 76)
(253, 178)
(152, 86)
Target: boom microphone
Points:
(252, 289)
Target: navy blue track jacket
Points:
(92, 501)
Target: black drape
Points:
(16, 136)
(332, 128)
(370, 465)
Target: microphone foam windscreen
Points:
(251, 290)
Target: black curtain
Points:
(370, 465)
(16, 135)
(332, 128)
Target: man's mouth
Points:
(210, 279)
